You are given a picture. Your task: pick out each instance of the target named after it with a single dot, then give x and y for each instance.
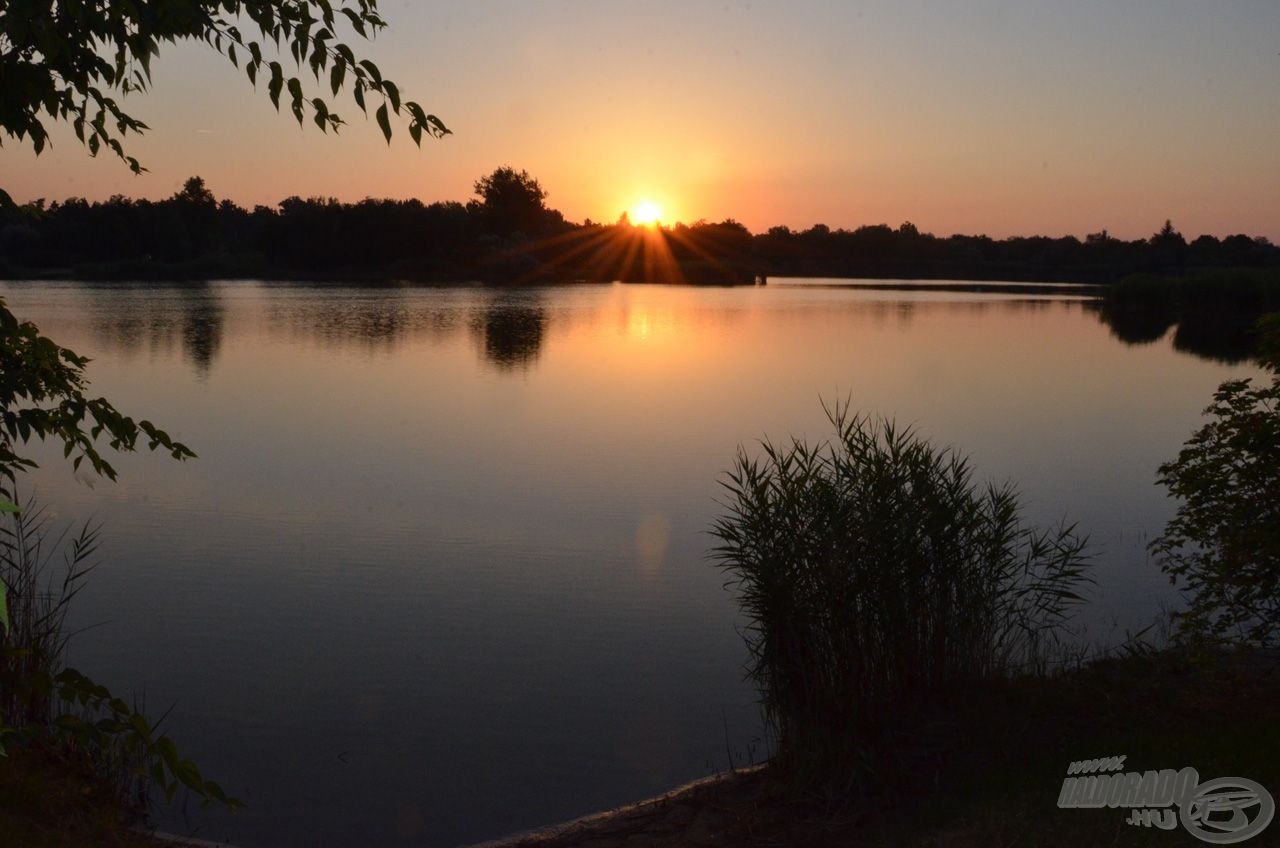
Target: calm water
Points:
(439, 571)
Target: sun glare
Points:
(645, 213)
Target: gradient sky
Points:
(1003, 118)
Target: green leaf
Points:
(187, 772)
(4, 609)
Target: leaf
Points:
(187, 772)
(384, 122)
(394, 93)
(439, 129)
(295, 92)
(337, 75)
(373, 71)
(357, 23)
(4, 609)
(276, 85)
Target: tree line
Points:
(508, 233)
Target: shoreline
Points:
(673, 814)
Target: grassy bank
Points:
(986, 765)
(56, 800)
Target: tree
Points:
(1223, 544)
(511, 202)
(195, 192)
(42, 395)
(1168, 238)
(63, 61)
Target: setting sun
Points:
(645, 213)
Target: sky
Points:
(1025, 117)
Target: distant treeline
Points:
(509, 234)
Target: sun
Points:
(646, 213)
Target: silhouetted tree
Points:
(511, 202)
(194, 191)
(1168, 237)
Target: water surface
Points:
(439, 574)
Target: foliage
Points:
(42, 395)
(64, 60)
(38, 606)
(5, 624)
(42, 389)
(1215, 311)
(1168, 237)
(1222, 547)
(195, 235)
(126, 747)
(46, 704)
(871, 570)
(511, 202)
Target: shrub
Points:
(872, 572)
(1222, 547)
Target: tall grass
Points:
(45, 704)
(873, 572)
(39, 595)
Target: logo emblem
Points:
(1227, 810)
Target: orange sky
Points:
(999, 117)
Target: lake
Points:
(439, 572)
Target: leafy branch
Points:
(42, 395)
(62, 61)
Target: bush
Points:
(1222, 547)
(872, 572)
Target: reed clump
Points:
(49, 709)
(873, 574)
